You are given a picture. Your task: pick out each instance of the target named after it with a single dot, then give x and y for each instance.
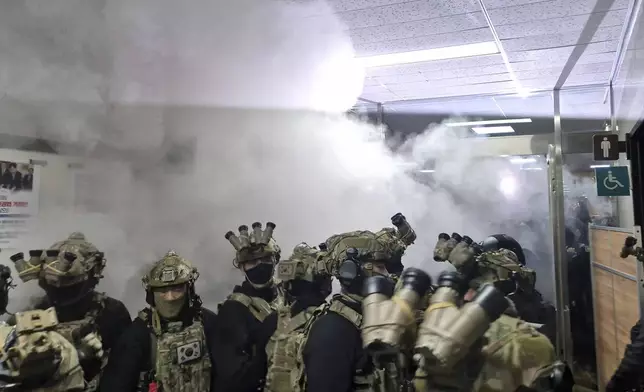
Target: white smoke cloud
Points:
(135, 83)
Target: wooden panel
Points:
(627, 265)
(606, 343)
(601, 247)
(626, 310)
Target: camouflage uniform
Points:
(306, 281)
(331, 348)
(243, 327)
(68, 272)
(33, 357)
(514, 354)
(169, 346)
(506, 269)
(50, 362)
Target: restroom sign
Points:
(613, 181)
(606, 147)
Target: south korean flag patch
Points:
(188, 352)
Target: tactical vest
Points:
(361, 381)
(179, 357)
(70, 328)
(516, 354)
(258, 307)
(286, 370)
(284, 351)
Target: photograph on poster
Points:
(16, 176)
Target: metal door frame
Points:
(558, 230)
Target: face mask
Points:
(506, 286)
(67, 294)
(260, 275)
(168, 309)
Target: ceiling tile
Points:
(440, 84)
(468, 62)
(549, 10)
(559, 40)
(384, 97)
(553, 73)
(545, 55)
(457, 107)
(584, 59)
(585, 79)
(352, 5)
(398, 79)
(582, 69)
(369, 81)
(491, 4)
(426, 42)
(375, 90)
(539, 84)
(418, 28)
(406, 12)
(477, 89)
(464, 72)
(571, 24)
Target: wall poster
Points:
(19, 183)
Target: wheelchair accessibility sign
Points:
(613, 181)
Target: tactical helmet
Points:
(171, 270)
(69, 262)
(351, 255)
(253, 246)
(305, 271)
(381, 246)
(306, 263)
(502, 268)
(504, 241)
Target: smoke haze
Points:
(200, 116)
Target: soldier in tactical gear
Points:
(460, 345)
(68, 272)
(305, 278)
(500, 268)
(333, 355)
(504, 265)
(35, 357)
(170, 345)
(242, 330)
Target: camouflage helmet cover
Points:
(306, 263)
(501, 265)
(76, 261)
(380, 246)
(171, 270)
(258, 251)
(255, 244)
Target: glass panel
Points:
(583, 113)
(490, 193)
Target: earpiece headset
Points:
(350, 272)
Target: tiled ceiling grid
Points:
(538, 37)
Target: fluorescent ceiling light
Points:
(426, 171)
(519, 161)
(532, 168)
(418, 56)
(490, 122)
(598, 166)
(491, 130)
